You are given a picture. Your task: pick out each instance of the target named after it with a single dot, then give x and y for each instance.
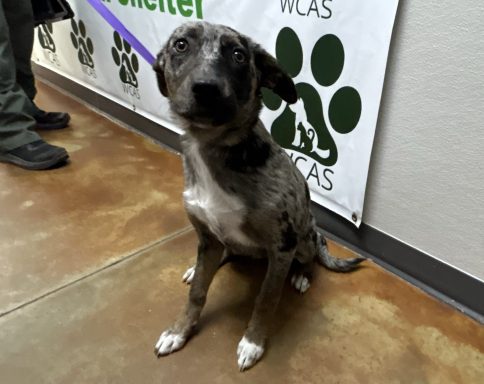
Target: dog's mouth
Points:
(210, 113)
(217, 115)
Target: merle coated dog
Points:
(243, 194)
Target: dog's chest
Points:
(221, 212)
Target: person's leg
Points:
(20, 19)
(16, 124)
(19, 144)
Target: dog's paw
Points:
(188, 275)
(300, 283)
(169, 342)
(248, 353)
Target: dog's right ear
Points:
(159, 68)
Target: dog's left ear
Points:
(159, 68)
(272, 76)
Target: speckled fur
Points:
(242, 167)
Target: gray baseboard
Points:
(438, 279)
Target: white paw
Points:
(169, 342)
(188, 275)
(248, 354)
(300, 282)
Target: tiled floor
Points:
(91, 258)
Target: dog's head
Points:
(212, 75)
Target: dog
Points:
(243, 194)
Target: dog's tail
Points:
(335, 263)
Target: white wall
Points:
(426, 183)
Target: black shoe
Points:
(51, 120)
(35, 156)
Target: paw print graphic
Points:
(128, 65)
(82, 43)
(44, 33)
(302, 127)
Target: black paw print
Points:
(309, 134)
(84, 45)
(128, 66)
(44, 33)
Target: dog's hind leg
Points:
(210, 252)
(303, 265)
(251, 347)
(190, 272)
(301, 275)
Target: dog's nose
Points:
(205, 90)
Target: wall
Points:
(426, 182)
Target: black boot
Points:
(35, 156)
(51, 120)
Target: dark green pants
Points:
(17, 87)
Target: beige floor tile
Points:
(119, 193)
(364, 327)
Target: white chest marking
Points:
(220, 211)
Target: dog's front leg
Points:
(210, 252)
(251, 347)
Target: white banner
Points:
(335, 50)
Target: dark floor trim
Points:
(440, 280)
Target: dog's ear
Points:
(159, 68)
(272, 76)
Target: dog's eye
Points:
(181, 45)
(239, 56)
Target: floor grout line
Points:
(123, 259)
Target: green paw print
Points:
(302, 126)
(128, 65)
(84, 45)
(44, 33)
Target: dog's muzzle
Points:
(206, 93)
(211, 103)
